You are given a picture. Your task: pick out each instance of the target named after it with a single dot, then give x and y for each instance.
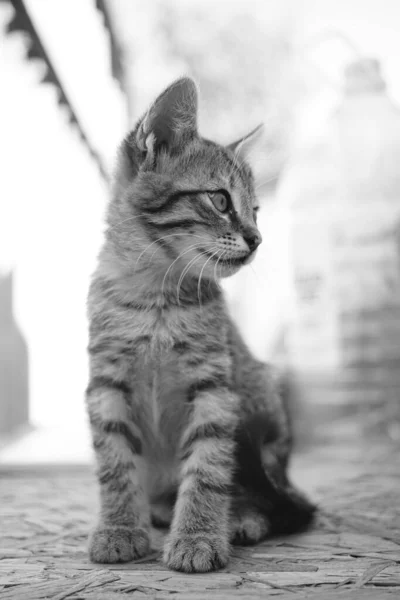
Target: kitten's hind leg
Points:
(269, 497)
(122, 532)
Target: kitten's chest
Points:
(162, 394)
(160, 381)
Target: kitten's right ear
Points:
(169, 124)
(172, 120)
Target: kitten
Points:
(188, 428)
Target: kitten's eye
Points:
(221, 200)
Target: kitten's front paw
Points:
(197, 553)
(118, 544)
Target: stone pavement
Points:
(352, 551)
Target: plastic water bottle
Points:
(344, 190)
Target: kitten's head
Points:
(180, 197)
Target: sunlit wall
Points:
(52, 196)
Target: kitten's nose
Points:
(253, 240)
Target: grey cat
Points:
(188, 428)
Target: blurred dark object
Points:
(14, 397)
(344, 189)
(115, 46)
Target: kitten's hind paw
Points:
(249, 527)
(292, 513)
(196, 553)
(118, 544)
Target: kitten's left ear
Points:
(246, 146)
(171, 121)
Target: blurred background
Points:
(322, 298)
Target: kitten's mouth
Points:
(229, 262)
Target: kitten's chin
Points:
(233, 265)
(250, 257)
(228, 272)
(229, 269)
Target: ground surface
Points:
(352, 551)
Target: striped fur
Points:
(174, 393)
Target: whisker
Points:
(163, 238)
(201, 273)
(124, 221)
(185, 271)
(264, 182)
(235, 160)
(257, 278)
(135, 216)
(214, 273)
(216, 265)
(189, 249)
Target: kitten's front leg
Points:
(199, 538)
(122, 532)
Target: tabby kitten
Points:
(188, 428)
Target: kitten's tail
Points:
(271, 492)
